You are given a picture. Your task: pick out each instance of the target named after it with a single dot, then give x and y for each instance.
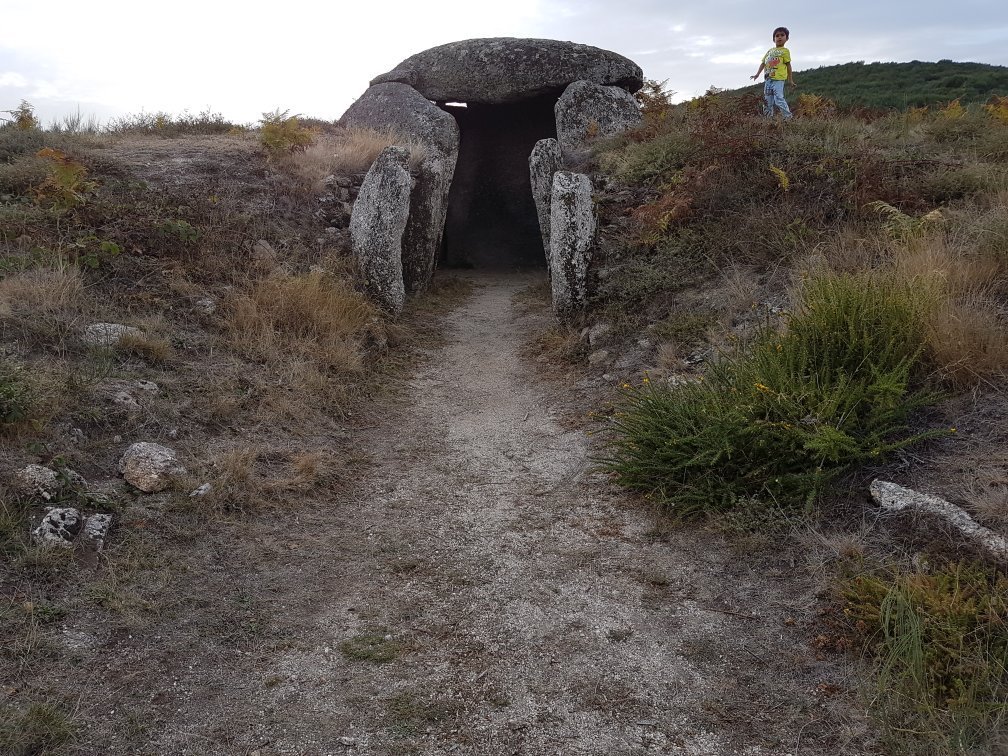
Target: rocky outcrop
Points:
(543, 163)
(587, 111)
(501, 70)
(149, 467)
(411, 115)
(377, 225)
(572, 236)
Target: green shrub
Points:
(964, 181)
(281, 134)
(15, 396)
(168, 125)
(645, 162)
(779, 419)
(25, 172)
(939, 640)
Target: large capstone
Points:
(405, 111)
(498, 70)
(572, 237)
(377, 225)
(588, 111)
(544, 161)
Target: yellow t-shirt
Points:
(774, 62)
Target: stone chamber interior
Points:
(491, 221)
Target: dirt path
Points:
(482, 592)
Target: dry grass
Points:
(314, 317)
(347, 152)
(986, 492)
(41, 290)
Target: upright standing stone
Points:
(587, 111)
(572, 236)
(377, 225)
(543, 163)
(411, 115)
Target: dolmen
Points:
(560, 96)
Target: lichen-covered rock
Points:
(411, 115)
(587, 111)
(59, 527)
(40, 481)
(377, 225)
(46, 484)
(544, 161)
(109, 334)
(499, 70)
(572, 237)
(149, 466)
(96, 530)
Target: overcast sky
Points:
(108, 57)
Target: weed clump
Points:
(15, 397)
(41, 728)
(939, 640)
(281, 133)
(779, 419)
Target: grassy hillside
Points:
(821, 296)
(902, 85)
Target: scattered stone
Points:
(39, 480)
(109, 334)
(348, 741)
(598, 357)
(96, 529)
(408, 113)
(264, 254)
(207, 305)
(377, 225)
(148, 386)
(543, 163)
(572, 236)
(587, 111)
(149, 466)
(59, 527)
(501, 70)
(126, 400)
(202, 490)
(895, 498)
(599, 334)
(644, 344)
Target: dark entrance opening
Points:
(491, 220)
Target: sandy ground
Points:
(481, 591)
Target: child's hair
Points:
(781, 29)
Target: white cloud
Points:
(12, 79)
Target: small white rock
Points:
(109, 334)
(96, 529)
(149, 466)
(148, 386)
(203, 490)
(40, 480)
(598, 357)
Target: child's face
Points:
(780, 39)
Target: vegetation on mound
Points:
(838, 272)
(938, 638)
(902, 85)
(783, 416)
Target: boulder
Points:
(405, 111)
(498, 70)
(149, 466)
(377, 224)
(543, 163)
(572, 237)
(587, 111)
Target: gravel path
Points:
(482, 591)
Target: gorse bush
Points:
(939, 640)
(15, 396)
(281, 133)
(67, 185)
(778, 420)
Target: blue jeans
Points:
(773, 94)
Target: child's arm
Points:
(756, 75)
(790, 78)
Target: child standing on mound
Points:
(776, 69)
